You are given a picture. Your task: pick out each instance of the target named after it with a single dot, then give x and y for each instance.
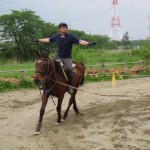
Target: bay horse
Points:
(54, 83)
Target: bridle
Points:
(47, 75)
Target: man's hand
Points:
(35, 40)
(92, 43)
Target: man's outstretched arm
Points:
(45, 40)
(82, 42)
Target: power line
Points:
(44, 9)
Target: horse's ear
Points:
(46, 54)
(38, 53)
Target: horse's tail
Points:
(82, 81)
(82, 77)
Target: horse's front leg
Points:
(60, 99)
(71, 100)
(75, 107)
(42, 111)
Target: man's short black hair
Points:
(62, 24)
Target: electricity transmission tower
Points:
(115, 30)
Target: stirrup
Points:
(41, 87)
(70, 90)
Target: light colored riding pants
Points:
(67, 62)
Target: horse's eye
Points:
(45, 65)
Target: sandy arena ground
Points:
(105, 122)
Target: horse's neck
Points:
(51, 64)
(52, 68)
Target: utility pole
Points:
(115, 30)
(149, 26)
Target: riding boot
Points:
(70, 89)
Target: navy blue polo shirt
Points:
(64, 44)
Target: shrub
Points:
(143, 52)
(24, 83)
(5, 86)
(77, 55)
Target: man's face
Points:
(63, 29)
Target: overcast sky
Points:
(91, 16)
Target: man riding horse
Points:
(65, 41)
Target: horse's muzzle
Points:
(37, 78)
(36, 81)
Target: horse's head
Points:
(42, 67)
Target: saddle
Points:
(64, 69)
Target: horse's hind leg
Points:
(42, 111)
(75, 107)
(75, 104)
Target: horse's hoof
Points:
(78, 113)
(58, 124)
(37, 132)
(62, 120)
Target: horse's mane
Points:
(46, 56)
(57, 66)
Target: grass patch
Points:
(86, 56)
(99, 78)
(145, 73)
(24, 83)
(16, 66)
(103, 56)
(6, 86)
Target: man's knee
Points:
(69, 70)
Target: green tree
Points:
(20, 27)
(125, 40)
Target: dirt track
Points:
(105, 123)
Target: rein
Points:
(47, 76)
(90, 91)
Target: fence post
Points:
(21, 72)
(102, 68)
(122, 68)
(142, 65)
